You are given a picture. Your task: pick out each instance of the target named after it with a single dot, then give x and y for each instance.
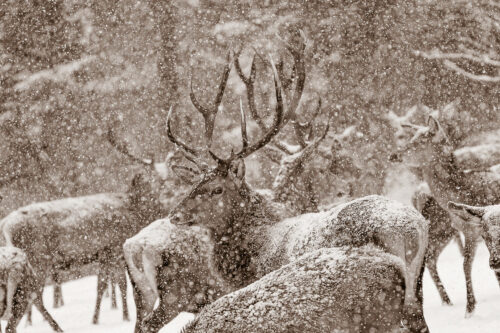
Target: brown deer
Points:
(249, 236)
(148, 247)
(441, 233)
(442, 167)
(18, 288)
(329, 290)
(70, 233)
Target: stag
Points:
(450, 177)
(18, 288)
(317, 293)
(247, 232)
(70, 233)
(148, 246)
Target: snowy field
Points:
(79, 296)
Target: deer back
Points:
(329, 290)
(71, 229)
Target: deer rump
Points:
(69, 232)
(155, 249)
(337, 289)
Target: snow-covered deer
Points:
(18, 288)
(328, 290)
(73, 232)
(441, 232)
(469, 175)
(249, 236)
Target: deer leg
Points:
(497, 274)
(122, 285)
(139, 304)
(101, 286)
(431, 263)
(58, 299)
(158, 318)
(19, 305)
(458, 240)
(46, 315)
(29, 321)
(113, 293)
(469, 252)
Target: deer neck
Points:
(238, 242)
(446, 180)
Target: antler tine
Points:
(173, 139)
(210, 113)
(300, 72)
(249, 85)
(110, 136)
(277, 123)
(244, 137)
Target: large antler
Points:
(298, 75)
(209, 113)
(246, 149)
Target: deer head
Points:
(418, 143)
(486, 219)
(221, 193)
(148, 187)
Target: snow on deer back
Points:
(368, 220)
(73, 226)
(329, 290)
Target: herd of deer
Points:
(249, 262)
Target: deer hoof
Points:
(468, 314)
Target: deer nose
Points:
(395, 157)
(177, 217)
(495, 263)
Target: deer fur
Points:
(70, 233)
(248, 234)
(254, 242)
(328, 290)
(442, 168)
(18, 288)
(441, 232)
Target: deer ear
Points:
(186, 174)
(433, 124)
(237, 169)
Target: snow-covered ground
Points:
(79, 296)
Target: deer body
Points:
(73, 232)
(247, 235)
(448, 182)
(445, 171)
(316, 293)
(18, 288)
(257, 243)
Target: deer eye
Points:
(217, 190)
